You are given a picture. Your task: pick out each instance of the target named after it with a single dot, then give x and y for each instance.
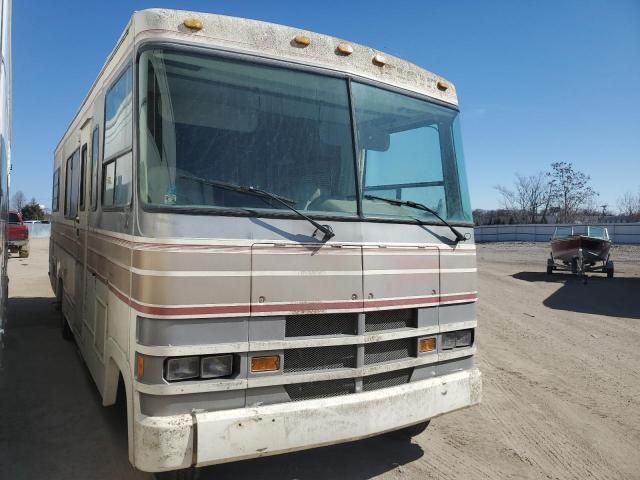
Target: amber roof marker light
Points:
(379, 60)
(193, 24)
(301, 41)
(344, 49)
(442, 85)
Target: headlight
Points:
(461, 338)
(216, 367)
(182, 368)
(464, 338)
(448, 341)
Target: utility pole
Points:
(604, 210)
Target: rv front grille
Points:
(390, 351)
(319, 358)
(325, 389)
(317, 325)
(386, 379)
(390, 319)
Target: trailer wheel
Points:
(609, 269)
(407, 433)
(550, 266)
(184, 474)
(24, 253)
(574, 265)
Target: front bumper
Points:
(206, 438)
(17, 244)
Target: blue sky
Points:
(538, 81)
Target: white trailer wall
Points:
(622, 233)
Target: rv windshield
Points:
(289, 132)
(278, 130)
(410, 151)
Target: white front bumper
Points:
(165, 443)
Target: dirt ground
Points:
(561, 366)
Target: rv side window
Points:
(72, 180)
(56, 190)
(3, 168)
(83, 170)
(117, 121)
(107, 184)
(116, 181)
(117, 155)
(95, 145)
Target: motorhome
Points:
(5, 153)
(262, 237)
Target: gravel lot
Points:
(561, 366)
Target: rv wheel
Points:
(65, 329)
(407, 433)
(184, 474)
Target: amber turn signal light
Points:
(265, 364)
(427, 344)
(140, 366)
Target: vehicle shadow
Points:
(359, 460)
(615, 297)
(55, 426)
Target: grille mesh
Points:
(386, 380)
(326, 389)
(319, 358)
(389, 351)
(390, 319)
(313, 325)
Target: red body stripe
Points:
(288, 307)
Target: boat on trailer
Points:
(580, 249)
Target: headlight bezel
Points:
(457, 339)
(197, 364)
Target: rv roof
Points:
(278, 41)
(273, 41)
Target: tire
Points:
(610, 269)
(65, 329)
(184, 474)
(574, 265)
(407, 433)
(549, 270)
(23, 253)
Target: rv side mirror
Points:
(373, 139)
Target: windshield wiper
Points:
(264, 195)
(418, 206)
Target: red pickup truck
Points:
(17, 234)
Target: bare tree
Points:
(529, 195)
(570, 190)
(19, 200)
(629, 204)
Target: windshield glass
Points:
(409, 150)
(205, 119)
(218, 120)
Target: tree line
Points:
(30, 210)
(560, 195)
